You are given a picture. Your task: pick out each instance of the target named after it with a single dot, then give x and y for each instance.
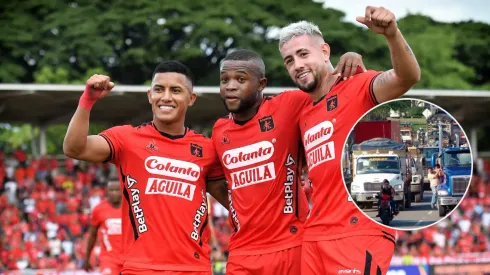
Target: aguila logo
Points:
(172, 168)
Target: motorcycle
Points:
(385, 212)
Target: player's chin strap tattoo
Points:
(219, 190)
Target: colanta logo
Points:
(318, 134)
(172, 168)
(248, 155)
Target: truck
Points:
(417, 186)
(406, 133)
(434, 138)
(456, 164)
(378, 159)
(365, 130)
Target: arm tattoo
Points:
(385, 77)
(407, 48)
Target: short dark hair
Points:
(386, 181)
(172, 66)
(437, 166)
(247, 55)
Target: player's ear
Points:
(148, 93)
(326, 52)
(193, 99)
(262, 84)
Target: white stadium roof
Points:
(44, 104)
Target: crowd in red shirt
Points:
(466, 230)
(45, 211)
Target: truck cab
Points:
(456, 164)
(406, 134)
(371, 169)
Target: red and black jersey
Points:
(165, 211)
(325, 126)
(261, 159)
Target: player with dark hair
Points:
(106, 220)
(338, 237)
(259, 146)
(165, 170)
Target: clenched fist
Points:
(379, 20)
(97, 86)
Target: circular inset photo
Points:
(407, 164)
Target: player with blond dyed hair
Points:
(338, 238)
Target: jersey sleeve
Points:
(115, 138)
(95, 217)
(215, 171)
(365, 82)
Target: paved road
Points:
(418, 215)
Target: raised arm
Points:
(406, 71)
(77, 144)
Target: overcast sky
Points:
(440, 10)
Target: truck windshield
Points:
(429, 151)
(456, 159)
(371, 165)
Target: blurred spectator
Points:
(45, 206)
(466, 230)
(21, 157)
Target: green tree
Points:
(14, 136)
(382, 111)
(434, 45)
(126, 39)
(77, 36)
(472, 49)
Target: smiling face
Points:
(240, 85)
(170, 96)
(306, 58)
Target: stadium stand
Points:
(45, 210)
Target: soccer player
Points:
(259, 146)
(338, 237)
(106, 219)
(163, 169)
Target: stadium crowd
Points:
(45, 208)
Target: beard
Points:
(244, 105)
(308, 87)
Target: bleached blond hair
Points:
(296, 29)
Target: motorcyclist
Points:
(387, 192)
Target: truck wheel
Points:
(442, 210)
(421, 191)
(408, 199)
(401, 206)
(418, 197)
